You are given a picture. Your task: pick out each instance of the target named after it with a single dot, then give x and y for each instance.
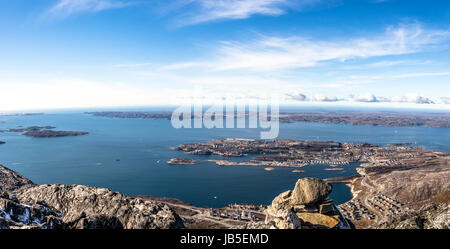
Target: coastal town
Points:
(293, 153)
(288, 153)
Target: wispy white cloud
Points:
(275, 53)
(361, 79)
(413, 75)
(126, 65)
(70, 7)
(210, 10)
(188, 12)
(389, 63)
(179, 66)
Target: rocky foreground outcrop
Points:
(17, 215)
(12, 181)
(89, 207)
(305, 207)
(76, 206)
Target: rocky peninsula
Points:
(374, 118)
(439, 120)
(144, 115)
(180, 161)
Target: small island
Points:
(400, 144)
(180, 161)
(50, 133)
(44, 131)
(30, 128)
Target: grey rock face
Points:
(76, 206)
(302, 208)
(14, 214)
(310, 191)
(87, 207)
(13, 181)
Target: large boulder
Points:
(304, 207)
(282, 201)
(281, 213)
(310, 191)
(90, 207)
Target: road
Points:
(200, 214)
(371, 190)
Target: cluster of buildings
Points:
(355, 210)
(301, 153)
(386, 205)
(277, 152)
(256, 208)
(234, 214)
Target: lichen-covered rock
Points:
(14, 214)
(11, 181)
(282, 201)
(90, 207)
(300, 208)
(282, 218)
(319, 220)
(308, 191)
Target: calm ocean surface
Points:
(143, 149)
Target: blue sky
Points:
(96, 53)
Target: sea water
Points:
(130, 155)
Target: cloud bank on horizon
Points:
(98, 53)
(369, 98)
